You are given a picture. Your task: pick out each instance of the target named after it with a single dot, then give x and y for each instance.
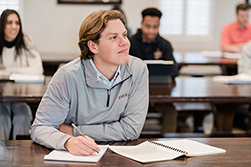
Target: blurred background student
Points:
(235, 35)
(18, 54)
(147, 44)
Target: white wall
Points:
(54, 27)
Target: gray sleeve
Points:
(52, 112)
(131, 123)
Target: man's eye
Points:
(125, 35)
(114, 37)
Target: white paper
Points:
(193, 148)
(216, 54)
(168, 62)
(232, 55)
(242, 78)
(148, 152)
(27, 78)
(64, 155)
(145, 152)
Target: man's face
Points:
(242, 17)
(113, 46)
(150, 28)
(12, 27)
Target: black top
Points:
(147, 51)
(9, 44)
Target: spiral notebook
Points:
(153, 151)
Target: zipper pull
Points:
(108, 97)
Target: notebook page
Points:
(146, 152)
(193, 148)
(64, 155)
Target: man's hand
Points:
(81, 145)
(67, 129)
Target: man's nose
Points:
(123, 41)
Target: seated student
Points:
(242, 117)
(235, 35)
(147, 44)
(244, 63)
(18, 54)
(104, 92)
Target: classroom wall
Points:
(54, 27)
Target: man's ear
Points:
(92, 46)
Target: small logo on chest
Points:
(124, 95)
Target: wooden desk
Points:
(228, 66)
(27, 153)
(186, 89)
(197, 58)
(226, 98)
(200, 89)
(22, 92)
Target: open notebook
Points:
(64, 155)
(153, 151)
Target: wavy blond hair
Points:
(93, 26)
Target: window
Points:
(9, 4)
(185, 17)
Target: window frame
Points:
(184, 42)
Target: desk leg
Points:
(224, 117)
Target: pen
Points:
(75, 127)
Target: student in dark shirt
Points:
(147, 44)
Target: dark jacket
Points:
(145, 51)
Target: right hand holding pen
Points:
(81, 145)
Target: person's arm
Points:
(32, 59)
(51, 113)
(244, 63)
(53, 109)
(226, 44)
(235, 48)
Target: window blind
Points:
(185, 17)
(9, 4)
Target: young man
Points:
(236, 34)
(104, 93)
(147, 44)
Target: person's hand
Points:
(81, 145)
(67, 129)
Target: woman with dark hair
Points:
(18, 54)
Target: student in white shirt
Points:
(18, 54)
